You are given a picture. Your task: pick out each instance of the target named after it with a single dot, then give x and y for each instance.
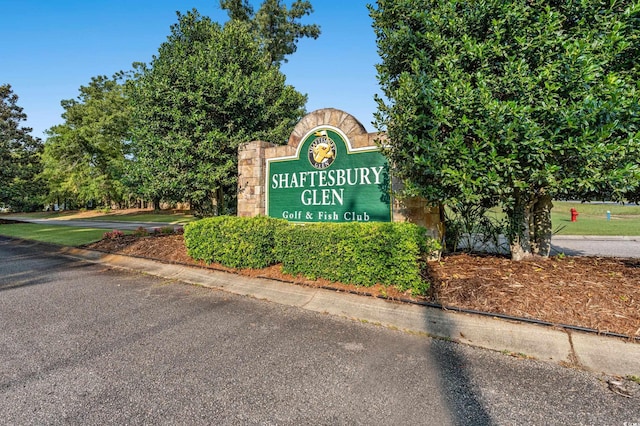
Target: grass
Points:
(596, 209)
(62, 235)
(594, 225)
(592, 219)
(77, 236)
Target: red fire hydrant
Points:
(574, 215)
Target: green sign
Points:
(327, 181)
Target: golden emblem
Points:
(322, 151)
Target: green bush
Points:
(236, 242)
(366, 254)
(358, 253)
(472, 227)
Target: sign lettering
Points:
(330, 182)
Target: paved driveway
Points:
(101, 224)
(86, 344)
(596, 246)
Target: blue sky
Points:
(49, 48)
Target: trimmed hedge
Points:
(236, 242)
(357, 253)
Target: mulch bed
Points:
(599, 293)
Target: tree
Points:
(210, 88)
(84, 158)
(277, 27)
(19, 156)
(511, 103)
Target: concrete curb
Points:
(577, 349)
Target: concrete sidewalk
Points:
(572, 348)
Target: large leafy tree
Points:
(210, 88)
(19, 156)
(84, 158)
(511, 103)
(277, 27)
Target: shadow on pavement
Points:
(459, 392)
(556, 249)
(20, 280)
(41, 273)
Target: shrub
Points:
(358, 253)
(141, 232)
(112, 235)
(236, 242)
(166, 230)
(354, 253)
(470, 228)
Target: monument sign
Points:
(330, 170)
(329, 181)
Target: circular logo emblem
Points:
(322, 151)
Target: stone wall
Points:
(251, 178)
(252, 160)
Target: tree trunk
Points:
(520, 219)
(530, 222)
(542, 225)
(221, 208)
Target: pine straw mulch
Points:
(598, 293)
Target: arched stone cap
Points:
(350, 126)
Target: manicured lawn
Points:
(592, 219)
(597, 209)
(595, 225)
(63, 235)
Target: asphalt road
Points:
(100, 224)
(85, 344)
(596, 246)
